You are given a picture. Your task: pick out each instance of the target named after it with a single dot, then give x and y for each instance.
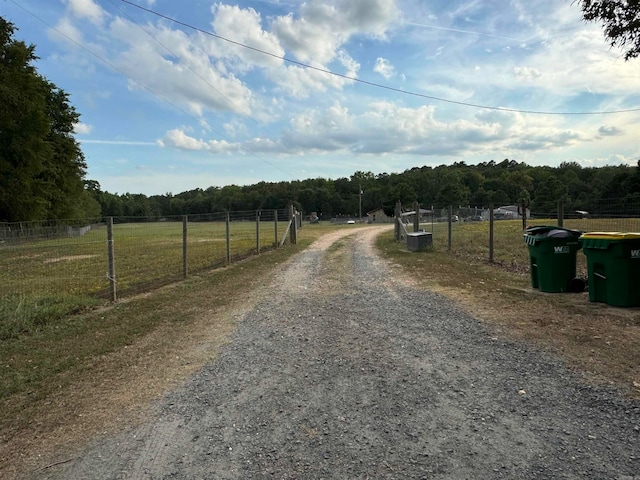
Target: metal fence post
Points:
(258, 231)
(112, 260)
(416, 219)
(491, 232)
(450, 221)
(228, 240)
(275, 226)
(184, 246)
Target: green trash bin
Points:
(552, 257)
(613, 265)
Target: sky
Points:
(177, 95)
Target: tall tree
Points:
(620, 20)
(41, 164)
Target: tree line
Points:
(500, 183)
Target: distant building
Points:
(378, 216)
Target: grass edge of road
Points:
(600, 342)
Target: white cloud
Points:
(480, 53)
(82, 128)
(87, 9)
(67, 29)
(526, 72)
(244, 26)
(386, 128)
(384, 68)
(194, 80)
(351, 65)
(323, 26)
(177, 138)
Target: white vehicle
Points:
(351, 222)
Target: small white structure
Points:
(425, 216)
(508, 212)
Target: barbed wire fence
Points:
(119, 256)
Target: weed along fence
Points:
(495, 233)
(119, 256)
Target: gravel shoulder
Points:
(345, 370)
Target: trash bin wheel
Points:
(576, 285)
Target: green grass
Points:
(43, 280)
(144, 253)
(68, 338)
(21, 315)
(470, 240)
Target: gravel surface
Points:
(346, 371)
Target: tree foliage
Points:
(620, 20)
(41, 164)
(504, 183)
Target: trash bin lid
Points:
(602, 240)
(552, 231)
(537, 234)
(611, 236)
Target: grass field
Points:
(44, 280)
(470, 240)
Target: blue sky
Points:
(168, 108)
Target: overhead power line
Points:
(372, 84)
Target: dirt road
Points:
(348, 371)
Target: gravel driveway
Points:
(346, 371)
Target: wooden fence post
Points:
(416, 219)
(294, 225)
(491, 232)
(112, 260)
(560, 212)
(228, 240)
(184, 246)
